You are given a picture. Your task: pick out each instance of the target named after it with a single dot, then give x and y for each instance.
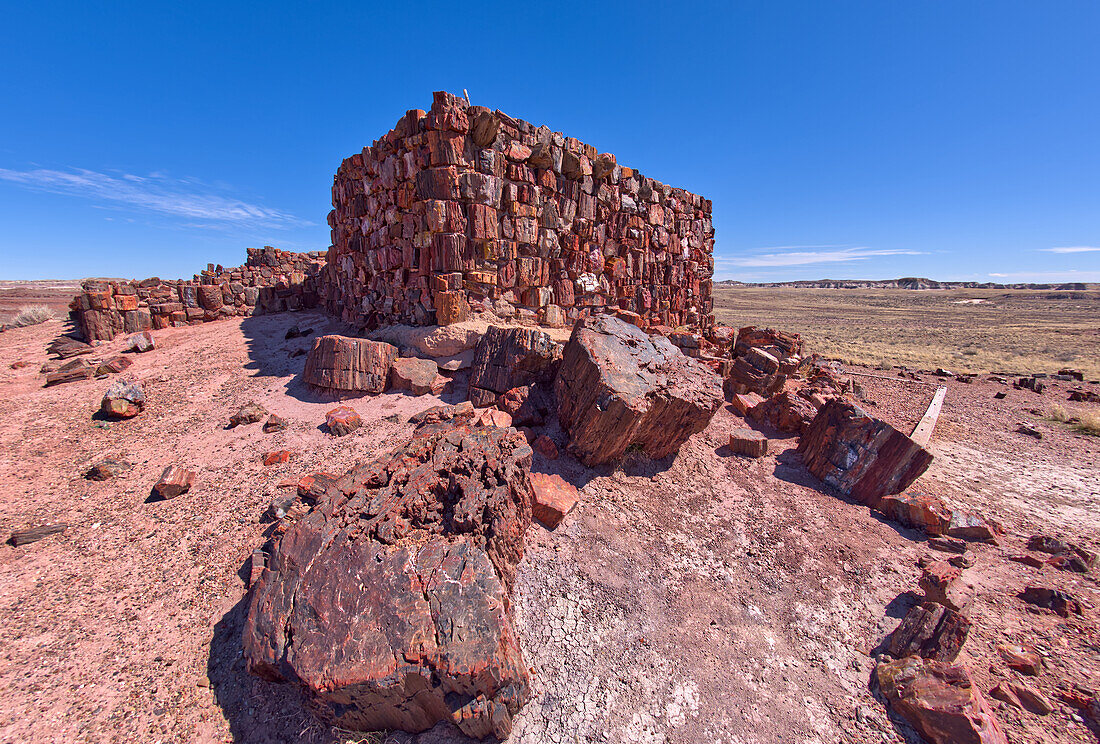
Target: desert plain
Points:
(702, 597)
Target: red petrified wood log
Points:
(939, 700)
(618, 386)
(859, 455)
(354, 364)
(388, 601)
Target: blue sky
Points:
(956, 140)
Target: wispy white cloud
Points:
(156, 192)
(1069, 275)
(803, 255)
(1071, 249)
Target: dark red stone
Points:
(618, 386)
(859, 455)
(388, 601)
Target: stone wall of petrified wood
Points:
(270, 281)
(462, 205)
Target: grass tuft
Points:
(1089, 424)
(32, 315)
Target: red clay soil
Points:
(703, 598)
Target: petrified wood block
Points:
(617, 387)
(388, 602)
(352, 364)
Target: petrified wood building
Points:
(462, 204)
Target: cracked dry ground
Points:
(705, 598)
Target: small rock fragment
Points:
(942, 583)
(274, 423)
(342, 420)
(1031, 699)
(276, 458)
(34, 534)
(545, 446)
(1052, 599)
(107, 469)
(748, 442)
(553, 498)
(141, 342)
(114, 365)
(967, 526)
(1023, 660)
(174, 481)
(932, 631)
(250, 413)
(123, 400)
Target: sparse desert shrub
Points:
(1058, 413)
(1089, 424)
(32, 315)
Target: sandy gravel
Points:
(705, 598)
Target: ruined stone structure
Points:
(270, 281)
(464, 205)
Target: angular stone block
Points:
(860, 455)
(617, 386)
(353, 364)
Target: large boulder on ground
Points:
(859, 455)
(618, 386)
(417, 376)
(939, 700)
(352, 364)
(507, 358)
(388, 602)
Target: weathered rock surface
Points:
(939, 700)
(860, 455)
(459, 413)
(418, 376)
(353, 364)
(506, 358)
(784, 412)
(529, 405)
(930, 630)
(123, 400)
(388, 602)
(618, 386)
(114, 365)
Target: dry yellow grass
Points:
(1009, 330)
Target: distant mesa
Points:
(907, 282)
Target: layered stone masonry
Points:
(462, 205)
(270, 281)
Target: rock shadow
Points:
(271, 354)
(257, 711)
